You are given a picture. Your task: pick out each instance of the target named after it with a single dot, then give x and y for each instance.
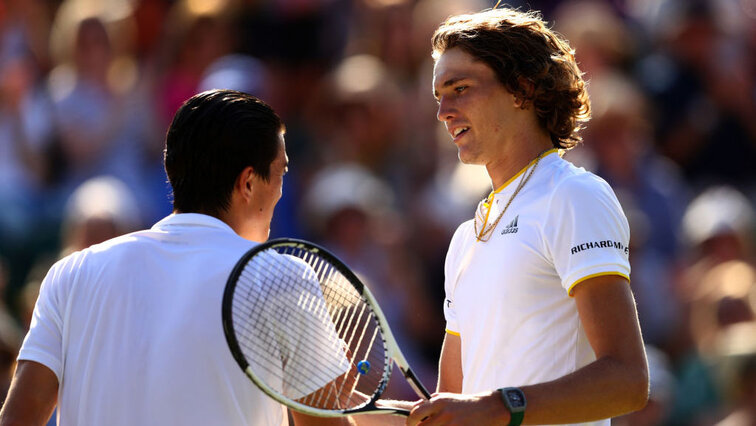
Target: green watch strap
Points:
(516, 418)
(514, 399)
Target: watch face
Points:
(515, 398)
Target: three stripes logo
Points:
(512, 227)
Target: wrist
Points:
(498, 411)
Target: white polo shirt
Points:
(509, 298)
(132, 329)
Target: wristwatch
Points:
(514, 399)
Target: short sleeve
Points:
(454, 259)
(44, 341)
(587, 234)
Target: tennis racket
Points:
(309, 333)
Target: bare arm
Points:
(617, 382)
(614, 384)
(358, 420)
(450, 365)
(305, 420)
(32, 396)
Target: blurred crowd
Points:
(88, 88)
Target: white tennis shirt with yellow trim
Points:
(509, 298)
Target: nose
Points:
(445, 111)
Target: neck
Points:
(255, 228)
(517, 157)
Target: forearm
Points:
(378, 420)
(306, 420)
(616, 383)
(384, 419)
(605, 388)
(31, 397)
(358, 420)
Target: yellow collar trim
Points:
(499, 189)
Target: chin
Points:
(466, 158)
(462, 155)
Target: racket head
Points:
(297, 319)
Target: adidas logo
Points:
(512, 227)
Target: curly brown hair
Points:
(531, 61)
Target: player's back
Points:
(141, 334)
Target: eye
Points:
(460, 89)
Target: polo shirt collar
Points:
(191, 219)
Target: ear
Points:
(244, 185)
(527, 88)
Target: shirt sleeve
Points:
(588, 233)
(44, 341)
(454, 259)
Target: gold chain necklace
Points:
(485, 233)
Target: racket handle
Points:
(415, 383)
(398, 408)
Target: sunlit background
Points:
(88, 88)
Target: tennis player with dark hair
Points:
(541, 322)
(128, 332)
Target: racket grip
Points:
(401, 412)
(415, 383)
(398, 408)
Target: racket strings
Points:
(306, 331)
(261, 349)
(341, 389)
(339, 292)
(260, 330)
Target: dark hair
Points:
(213, 137)
(519, 45)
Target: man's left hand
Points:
(453, 409)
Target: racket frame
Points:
(392, 348)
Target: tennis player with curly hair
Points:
(541, 322)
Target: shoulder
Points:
(575, 185)
(462, 236)
(108, 253)
(566, 175)
(68, 264)
(62, 275)
(105, 252)
(95, 252)
(463, 228)
(269, 262)
(560, 175)
(118, 242)
(290, 264)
